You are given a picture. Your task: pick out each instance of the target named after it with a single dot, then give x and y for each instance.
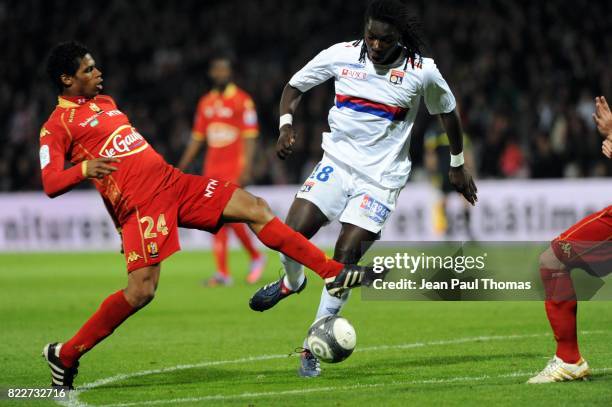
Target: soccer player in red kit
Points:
(147, 198)
(226, 121)
(586, 245)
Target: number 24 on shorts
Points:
(322, 175)
(161, 226)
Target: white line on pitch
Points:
(222, 397)
(74, 396)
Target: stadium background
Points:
(525, 74)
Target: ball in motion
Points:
(331, 339)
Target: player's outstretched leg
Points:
(63, 358)
(561, 308)
(303, 217)
(272, 232)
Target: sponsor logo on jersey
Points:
(353, 74)
(396, 77)
(115, 112)
(45, 157)
(152, 249)
(210, 188)
(125, 140)
(307, 186)
(374, 209)
(85, 122)
(133, 256)
(95, 108)
(221, 134)
(249, 117)
(94, 123)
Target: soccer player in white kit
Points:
(379, 81)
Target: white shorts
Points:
(342, 193)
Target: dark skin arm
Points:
(459, 177)
(289, 102)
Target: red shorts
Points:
(150, 234)
(588, 243)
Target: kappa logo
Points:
(125, 140)
(396, 77)
(133, 256)
(353, 74)
(210, 188)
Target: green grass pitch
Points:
(197, 346)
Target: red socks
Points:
(561, 308)
(220, 251)
(280, 237)
(242, 234)
(114, 310)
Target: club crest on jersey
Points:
(353, 74)
(152, 249)
(95, 108)
(125, 140)
(396, 77)
(307, 186)
(375, 210)
(566, 248)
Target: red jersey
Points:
(82, 129)
(224, 120)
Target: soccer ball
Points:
(331, 339)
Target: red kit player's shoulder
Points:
(243, 99)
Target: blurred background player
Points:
(586, 245)
(226, 122)
(147, 198)
(435, 159)
(379, 81)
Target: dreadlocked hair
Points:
(397, 14)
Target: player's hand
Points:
(462, 180)
(100, 167)
(603, 116)
(286, 140)
(606, 147)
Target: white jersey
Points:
(375, 109)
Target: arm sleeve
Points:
(54, 144)
(198, 131)
(438, 96)
(249, 126)
(315, 72)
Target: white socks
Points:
(329, 305)
(294, 273)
